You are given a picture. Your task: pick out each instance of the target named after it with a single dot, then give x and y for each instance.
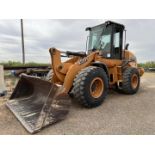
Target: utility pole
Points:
(22, 39)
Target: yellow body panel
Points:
(64, 73)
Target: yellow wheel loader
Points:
(84, 76)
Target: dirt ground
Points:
(119, 114)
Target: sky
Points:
(68, 34)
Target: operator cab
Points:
(107, 38)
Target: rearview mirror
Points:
(127, 46)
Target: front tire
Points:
(90, 86)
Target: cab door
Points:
(117, 42)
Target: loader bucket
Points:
(37, 103)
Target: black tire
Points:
(82, 83)
(49, 76)
(127, 85)
(118, 89)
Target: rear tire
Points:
(90, 86)
(131, 81)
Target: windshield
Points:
(100, 39)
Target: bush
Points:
(17, 63)
(149, 64)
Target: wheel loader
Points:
(85, 77)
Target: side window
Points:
(117, 40)
(116, 45)
(106, 45)
(105, 42)
(94, 40)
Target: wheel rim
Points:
(96, 87)
(134, 81)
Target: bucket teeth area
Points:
(37, 103)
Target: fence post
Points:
(3, 90)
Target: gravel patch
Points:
(119, 114)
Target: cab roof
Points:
(106, 23)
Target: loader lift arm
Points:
(64, 73)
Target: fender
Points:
(101, 65)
